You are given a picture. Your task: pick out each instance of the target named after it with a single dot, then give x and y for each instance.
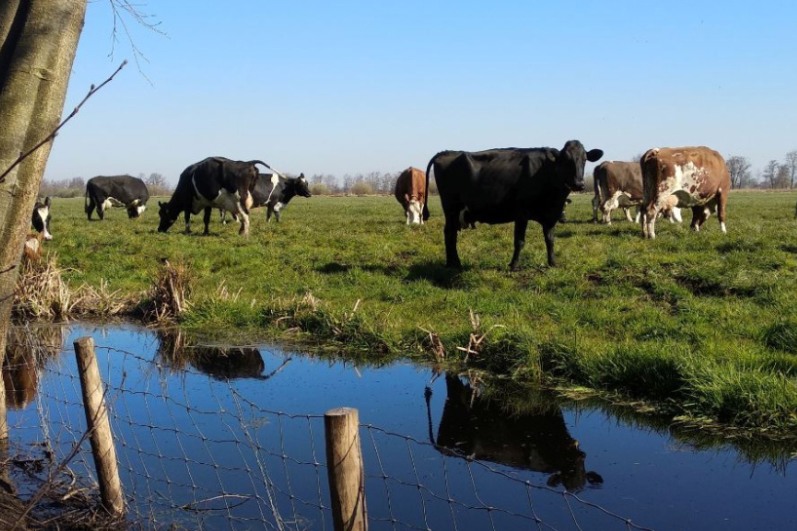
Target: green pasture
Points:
(702, 326)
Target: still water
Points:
(233, 438)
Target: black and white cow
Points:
(275, 191)
(508, 185)
(40, 220)
(213, 182)
(127, 191)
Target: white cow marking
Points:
(414, 210)
(43, 213)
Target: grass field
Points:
(701, 325)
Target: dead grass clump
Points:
(41, 293)
(169, 295)
(40, 290)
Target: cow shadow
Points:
(434, 272)
(473, 427)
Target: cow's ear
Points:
(47, 201)
(594, 154)
(161, 203)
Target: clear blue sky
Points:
(358, 86)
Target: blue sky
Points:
(340, 87)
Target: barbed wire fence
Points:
(201, 453)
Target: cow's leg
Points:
(187, 216)
(520, 241)
(407, 215)
(90, 207)
(649, 221)
(628, 214)
(269, 211)
(450, 235)
(206, 220)
(698, 217)
(547, 232)
(244, 217)
(722, 202)
(595, 207)
(101, 208)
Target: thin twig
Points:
(92, 91)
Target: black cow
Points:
(275, 192)
(104, 192)
(40, 219)
(213, 182)
(508, 185)
(474, 427)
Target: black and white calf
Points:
(275, 191)
(127, 191)
(40, 220)
(213, 182)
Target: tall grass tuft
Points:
(782, 335)
(41, 291)
(169, 297)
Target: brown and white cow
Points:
(411, 193)
(693, 177)
(618, 184)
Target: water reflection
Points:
(177, 350)
(475, 427)
(27, 352)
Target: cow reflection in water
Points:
(219, 362)
(476, 428)
(27, 352)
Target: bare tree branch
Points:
(92, 91)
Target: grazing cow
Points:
(411, 194)
(40, 219)
(103, 193)
(693, 177)
(508, 185)
(619, 184)
(476, 428)
(275, 191)
(213, 182)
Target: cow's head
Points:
(41, 218)
(135, 209)
(302, 188)
(570, 162)
(168, 217)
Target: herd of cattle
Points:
(511, 185)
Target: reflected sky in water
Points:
(645, 475)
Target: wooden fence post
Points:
(99, 427)
(345, 469)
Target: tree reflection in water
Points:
(27, 351)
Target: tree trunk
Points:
(38, 41)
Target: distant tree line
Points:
(76, 186)
(775, 175)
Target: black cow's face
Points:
(302, 188)
(571, 161)
(41, 218)
(167, 216)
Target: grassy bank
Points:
(703, 326)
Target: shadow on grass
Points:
(437, 274)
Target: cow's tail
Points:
(426, 192)
(86, 203)
(257, 161)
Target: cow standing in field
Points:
(213, 182)
(619, 184)
(410, 192)
(274, 192)
(508, 185)
(127, 191)
(40, 218)
(693, 177)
